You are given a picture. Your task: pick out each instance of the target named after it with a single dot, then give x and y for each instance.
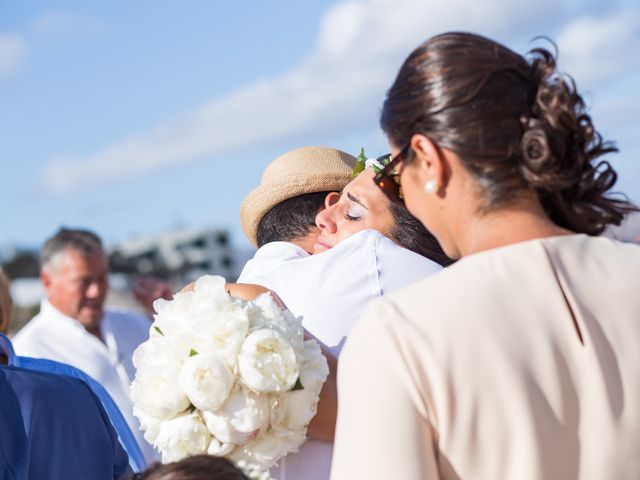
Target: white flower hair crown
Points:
(377, 164)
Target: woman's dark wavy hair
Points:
(515, 123)
(411, 234)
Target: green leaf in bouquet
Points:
(193, 352)
(157, 329)
(298, 385)
(361, 162)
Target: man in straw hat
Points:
(330, 289)
(292, 191)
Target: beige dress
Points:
(517, 363)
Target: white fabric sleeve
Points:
(399, 267)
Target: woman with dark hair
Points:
(522, 359)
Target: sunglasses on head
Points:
(387, 179)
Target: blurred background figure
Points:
(73, 326)
(6, 303)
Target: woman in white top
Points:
(522, 360)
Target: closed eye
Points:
(355, 212)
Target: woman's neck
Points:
(517, 223)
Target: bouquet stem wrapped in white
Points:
(225, 376)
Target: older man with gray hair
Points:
(74, 328)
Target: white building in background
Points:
(180, 256)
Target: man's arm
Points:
(323, 424)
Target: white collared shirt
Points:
(55, 336)
(330, 290)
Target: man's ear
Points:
(45, 278)
(330, 199)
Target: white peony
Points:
(161, 350)
(253, 471)
(219, 449)
(206, 380)
(268, 362)
(265, 313)
(182, 437)
(294, 410)
(217, 373)
(157, 392)
(241, 417)
(267, 449)
(314, 369)
(148, 424)
(196, 311)
(225, 336)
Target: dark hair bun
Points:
(559, 146)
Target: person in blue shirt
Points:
(52, 425)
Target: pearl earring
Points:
(431, 186)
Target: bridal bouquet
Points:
(225, 376)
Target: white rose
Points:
(268, 448)
(268, 362)
(206, 380)
(242, 416)
(148, 424)
(219, 449)
(157, 392)
(182, 437)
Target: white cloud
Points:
(59, 23)
(339, 86)
(597, 49)
(52, 22)
(13, 52)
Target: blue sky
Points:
(132, 118)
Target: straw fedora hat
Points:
(300, 171)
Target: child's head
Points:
(199, 467)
